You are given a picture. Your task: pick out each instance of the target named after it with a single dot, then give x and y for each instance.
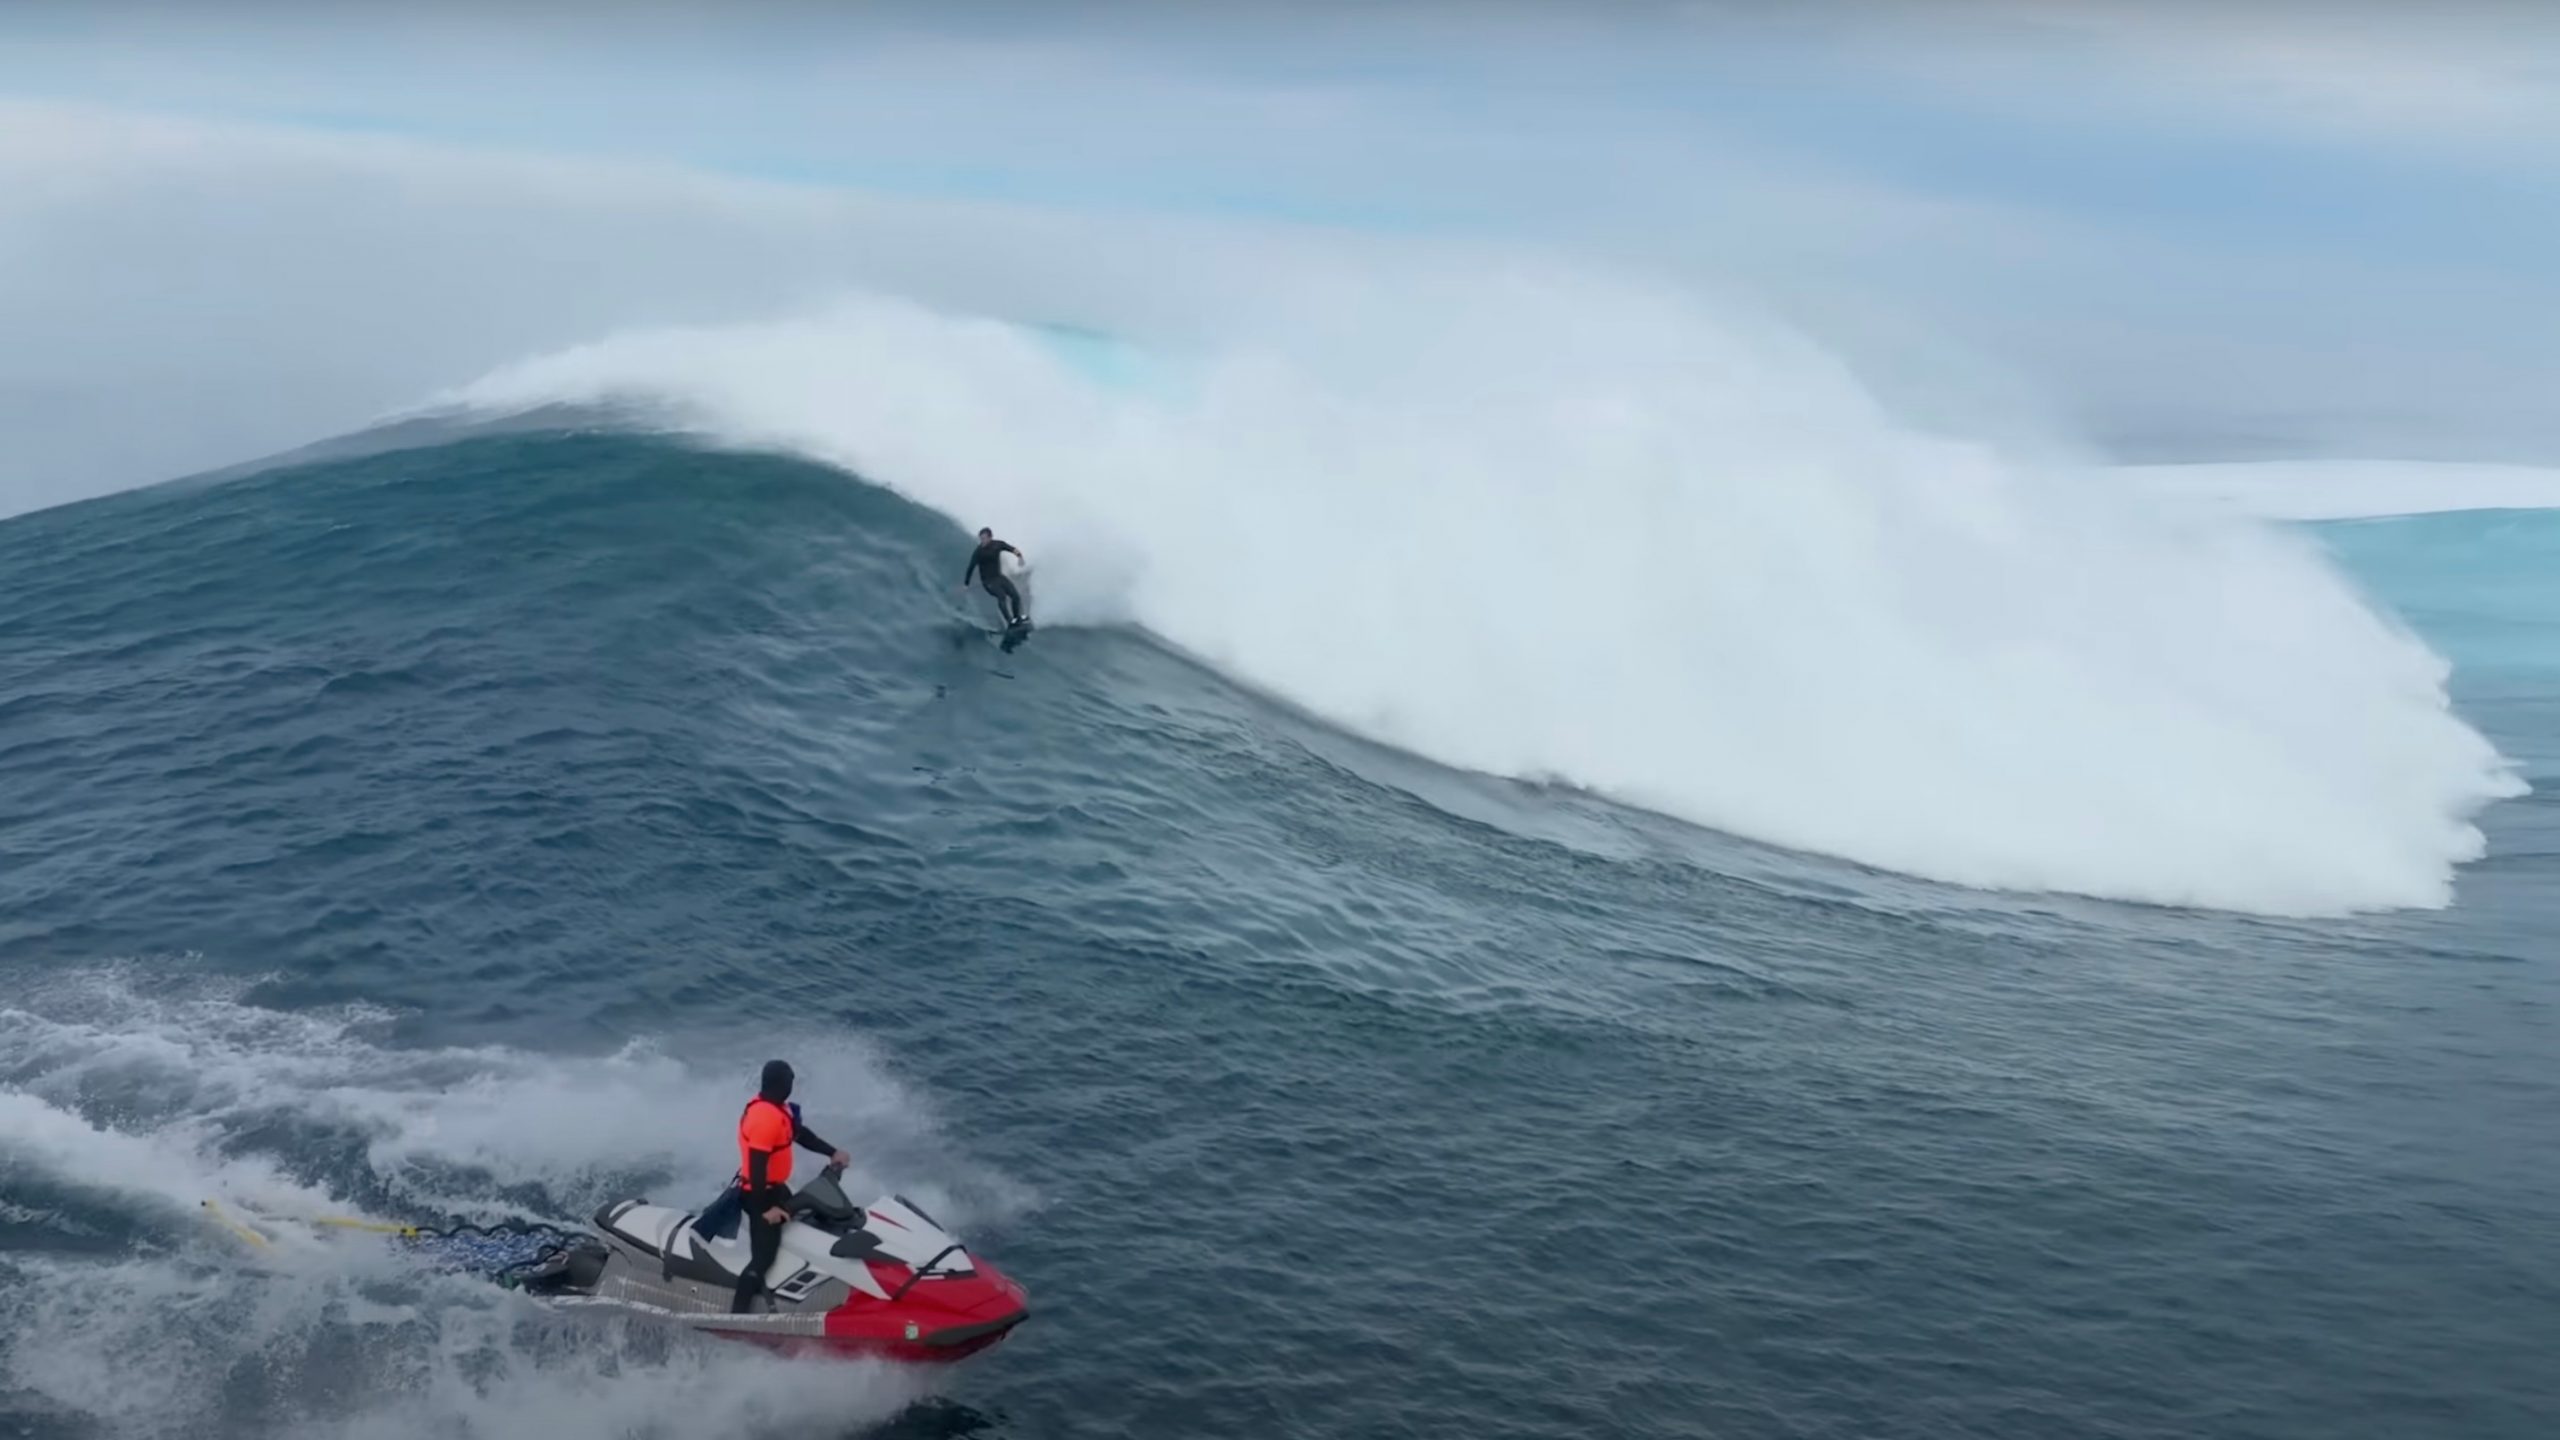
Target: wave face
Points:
(1541, 528)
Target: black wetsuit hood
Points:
(776, 1085)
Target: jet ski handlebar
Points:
(823, 1203)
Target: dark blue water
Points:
(451, 831)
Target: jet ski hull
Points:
(883, 1283)
(952, 1328)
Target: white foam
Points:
(2354, 489)
(1539, 525)
(155, 1347)
(186, 1069)
(139, 1099)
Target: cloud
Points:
(2455, 78)
(2102, 210)
(177, 294)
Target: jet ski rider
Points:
(767, 1129)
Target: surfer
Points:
(986, 564)
(767, 1129)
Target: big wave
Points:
(1552, 527)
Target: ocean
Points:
(2009, 1041)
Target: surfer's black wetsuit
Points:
(988, 568)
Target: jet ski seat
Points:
(608, 1218)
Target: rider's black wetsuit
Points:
(988, 570)
(755, 1191)
(758, 1194)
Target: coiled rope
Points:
(504, 1251)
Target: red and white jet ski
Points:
(885, 1281)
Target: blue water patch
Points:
(1109, 361)
(2482, 585)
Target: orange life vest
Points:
(765, 1126)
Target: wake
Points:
(128, 1102)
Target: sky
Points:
(2183, 230)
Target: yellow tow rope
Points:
(340, 1222)
(378, 1227)
(234, 1226)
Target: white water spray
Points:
(1542, 526)
(125, 1104)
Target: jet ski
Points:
(884, 1281)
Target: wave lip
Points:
(1544, 526)
(2355, 489)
